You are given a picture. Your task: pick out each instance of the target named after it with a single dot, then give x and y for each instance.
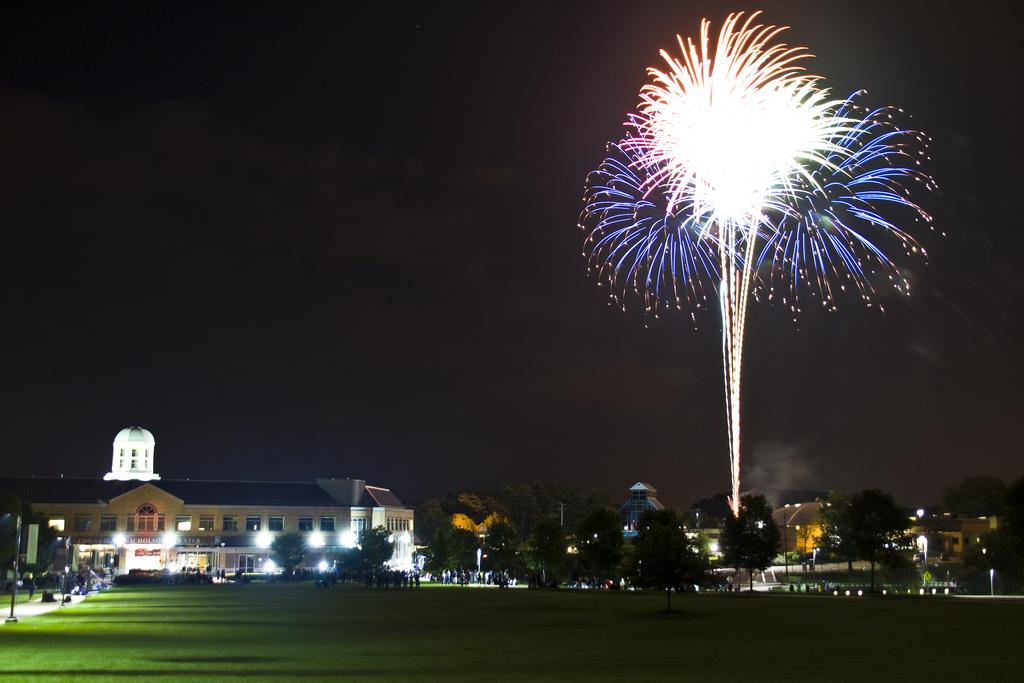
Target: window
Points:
(305, 523)
(359, 526)
(56, 523)
(230, 523)
(327, 524)
(397, 524)
(275, 523)
(83, 522)
(108, 523)
(183, 523)
(135, 459)
(145, 518)
(205, 522)
(121, 459)
(161, 521)
(252, 523)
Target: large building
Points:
(133, 519)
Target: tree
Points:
(599, 539)
(751, 540)
(976, 497)
(835, 522)
(664, 557)
(998, 551)
(451, 547)
(288, 551)
(1015, 513)
(877, 527)
(10, 506)
(375, 548)
(548, 547)
(501, 543)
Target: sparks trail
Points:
(738, 172)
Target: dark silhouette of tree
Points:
(374, 548)
(11, 505)
(664, 557)
(451, 548)
(998, 550)
(878, 528)
(836, 535)
(751, 540)
(501, 544)
(548, 548)
(976, 497)
(288, 551)
(599, 540)
(1014, 505)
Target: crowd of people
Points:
(464, 577)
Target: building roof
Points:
(641, 486)
(196, 492)
(136, 434)
(382, 497)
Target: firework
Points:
(740, 173)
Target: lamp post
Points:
(785, 540)
(991, 576)
(14, 583)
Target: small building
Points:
(133, 519)
(642, 497)
(949, 534)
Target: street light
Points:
(14, 583)
(923, 540)
(785, 542)
(991, 576)
(785, 535)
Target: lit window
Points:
(327, 524)
(305, 523)
(252, 523)
(183, 523)
(108, 523)
(275, 523)
(230, 523)
(55, 523)
(205, 522)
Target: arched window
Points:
(145, 518)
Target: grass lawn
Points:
(298, 632)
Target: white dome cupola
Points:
(133, 455)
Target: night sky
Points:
(297, 240)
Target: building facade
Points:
(132, 519)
